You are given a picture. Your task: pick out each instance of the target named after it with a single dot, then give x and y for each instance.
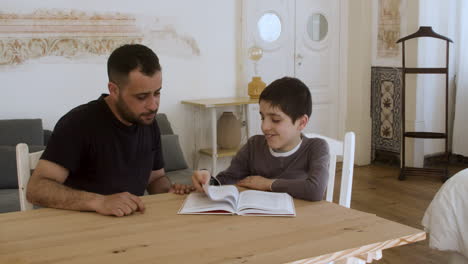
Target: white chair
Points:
(344, 149)
(25, 162)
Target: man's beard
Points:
(131, 117)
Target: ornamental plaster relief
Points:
(73, 33)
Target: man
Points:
(103, 154)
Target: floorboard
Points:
(377, 190)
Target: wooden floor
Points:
(376, 189)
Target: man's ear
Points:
(113, 89)
(303, 120)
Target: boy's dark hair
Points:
(291, 95)
(129, 57)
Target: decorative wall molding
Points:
(75, 33)
(17, 51)
(57, 14)
(170, 41)
(63, 33)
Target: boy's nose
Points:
(265, 126)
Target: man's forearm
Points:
(159, 185)
(48, 193)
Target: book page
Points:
(227, 193)
(199, 203)
(259, 202)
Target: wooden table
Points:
(320, 233)
(214, 152)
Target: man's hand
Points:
(256, 183)
(119, 204)
(199, 178)
(181, 188)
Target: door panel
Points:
(276, 59)
(317, 61)
(295, 53)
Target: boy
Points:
(281, 160)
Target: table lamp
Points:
(256, 86)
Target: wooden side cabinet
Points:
(212, 105)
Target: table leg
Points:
(196, 129)
(214, 140)
(362, 259)
(246, 110)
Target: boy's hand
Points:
(256, 182)
(181, 188)
(199, 178)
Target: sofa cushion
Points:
(164, 125)
(9, 200)
(14, 131)
(172, 153)
(8, 173)
(180, 176)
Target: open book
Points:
(226, 199)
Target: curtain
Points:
(460, 129)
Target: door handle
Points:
(299, 59)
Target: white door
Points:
(298, 38)
(317, 61)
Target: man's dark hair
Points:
(129, 57)
(291, 95)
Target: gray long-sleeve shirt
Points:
(303, 174)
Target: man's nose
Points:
(153, 103)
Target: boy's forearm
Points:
(305, 189)
(48, 193)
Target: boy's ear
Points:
(303, 120)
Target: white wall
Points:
(441, 15)
(359, 75)
(49, 87)
(425, 93)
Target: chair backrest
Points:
(346, 150)
(25, 162)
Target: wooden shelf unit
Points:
(212, 104)
(411, 171)
(220, 152)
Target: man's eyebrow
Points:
(143, 93)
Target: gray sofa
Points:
(12, 132)
(174, 162)
(30, 131)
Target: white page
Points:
(265, 202)
(200, 202)
(227, 193)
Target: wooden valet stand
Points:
(411, 171)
